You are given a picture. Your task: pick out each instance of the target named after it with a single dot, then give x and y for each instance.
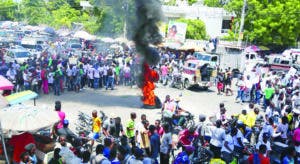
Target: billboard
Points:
(176, 33)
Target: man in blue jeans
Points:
(110, 79)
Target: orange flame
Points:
(150, 76)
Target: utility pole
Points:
(125, 5)
(242, 24)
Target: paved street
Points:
(124, 100)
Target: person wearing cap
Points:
(183, 157)
(112, 126)
(30, 148)
(203, 129)
(65, 131)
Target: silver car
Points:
(20, 55)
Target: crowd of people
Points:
(271, 117)
(254, 133)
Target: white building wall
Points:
(212, 17)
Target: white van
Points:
(279, 62)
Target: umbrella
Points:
(84, 35)
(21, 97)
(5, 84)
(26, 118)
(252, 48)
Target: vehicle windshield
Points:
(28, 46)
(203, 57)
(75, 46)
(23, 54)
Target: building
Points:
(217, 20)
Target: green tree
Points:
(93, 21)
(192, 1)
(64, 16)
(214, 3)
(34, 12)
(195, 29)
(7, 9)
(271, 22)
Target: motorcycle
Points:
(176, 82)
(169, 118)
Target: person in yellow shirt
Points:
(242, 124)
(251, 118)
(96, 127)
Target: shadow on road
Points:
(96, 99)
(198, 89)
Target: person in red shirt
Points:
(188, 136)
(259, 157)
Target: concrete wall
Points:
(211, 16)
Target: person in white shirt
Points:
(101, 71)
(228, 146)
(218, 135)
(90, 76)
(96, 77)
(69, 78)
(166, 145)
(11, 74)
(238, 142)
(266, 142)
(105, 69)
(127, 75)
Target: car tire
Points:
(186, 84)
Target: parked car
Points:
(20, 55)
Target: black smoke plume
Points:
(148, 14)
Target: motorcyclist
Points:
(70, 136)
(187, 136)
(183, 157)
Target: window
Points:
(226, 24)
(247, 56)
(284, 62)
(22, 54)
(214, 59)
(277, 60)
(192, 65)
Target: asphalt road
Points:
(123, 100)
